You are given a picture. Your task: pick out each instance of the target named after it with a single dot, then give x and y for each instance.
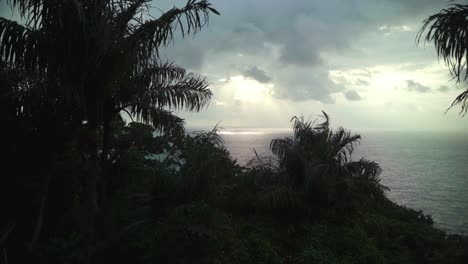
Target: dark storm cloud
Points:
(413, 86)
(352, 95)
(257, 74)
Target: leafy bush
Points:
(193, 233)
(260, 251)
(341, 244)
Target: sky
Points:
(357, 60)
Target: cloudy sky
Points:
(267, 60)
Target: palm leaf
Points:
(150, 35)
(448, 30)
(162, 120)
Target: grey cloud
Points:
(188, 55)
(362, 82)
(301, 84)
(419, 6)
(413, 86)
(257, 74)
(246, 38)
(303, 29)
(295, 52)
(303, 34)
(444, 88)
(352, 95)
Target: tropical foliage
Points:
(86, 62)
(313, 171)
(448, 31)
(81, 185)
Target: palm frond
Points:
(164, 85)
(325, 125)
(162, 120)
(190, 93)
(462, 100)
(126, 12)
(150, 35)
(210, 138)
(264, 170)
(448, 30)
(159, 73)
(282, 146)
(18, 44)
(32, 10)
(342, 144)
(368, 172)
(265, 162)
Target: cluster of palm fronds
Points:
(313, 167)
(103, 55)
(73, 66)
(448, 30)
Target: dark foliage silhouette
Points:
(448, 31)
(98, 58)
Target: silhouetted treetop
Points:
(448, 30)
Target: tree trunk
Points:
(106, 146)
(5, 255)
(90, 204)
(41, 214)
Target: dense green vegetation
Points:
(80, 185)
(184, 200)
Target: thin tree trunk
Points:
(40, 215)
(92, 204)
(106, 145)
(5, 255)
(91, 177)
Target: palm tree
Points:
(92, 51)
(315, 151)
(100, 57)
(448, 30)
(315, 164)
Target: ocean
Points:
(424, 170)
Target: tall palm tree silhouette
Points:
(101, 57)
(314, 168)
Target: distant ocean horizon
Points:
(424, 170)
